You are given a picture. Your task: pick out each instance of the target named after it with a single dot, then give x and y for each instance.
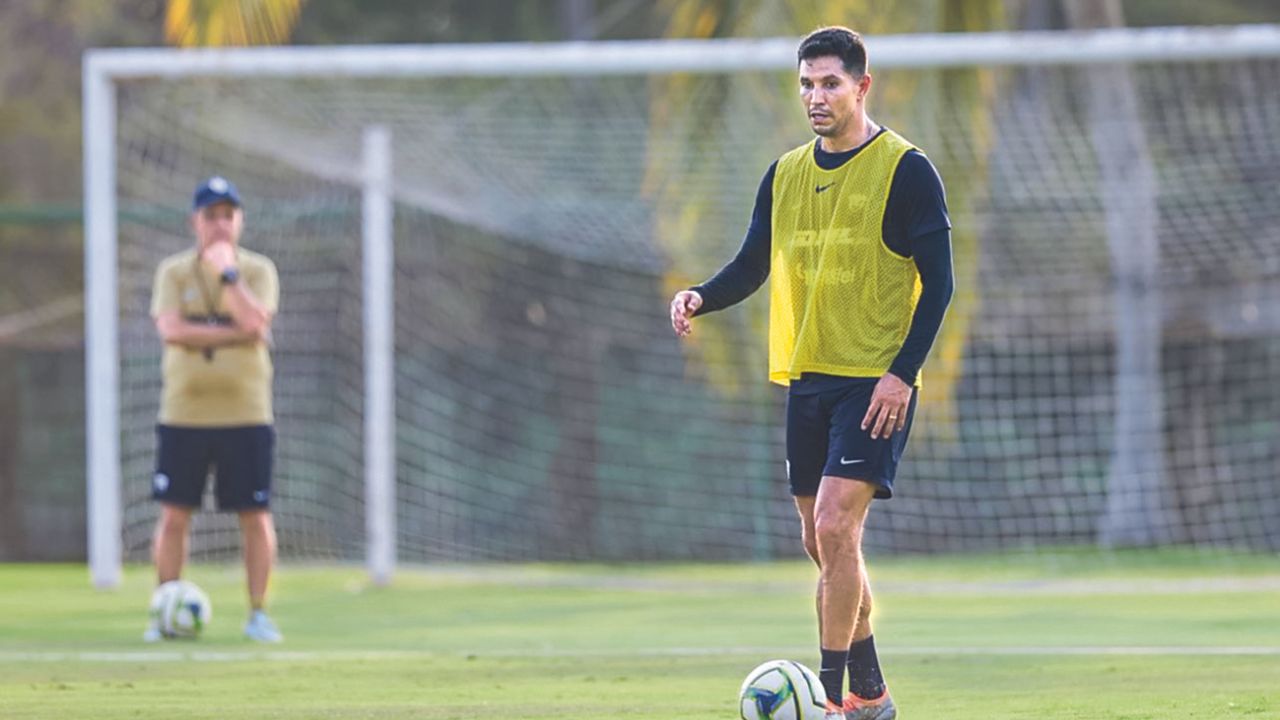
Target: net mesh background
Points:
(544, 409)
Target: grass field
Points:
(1070, 635)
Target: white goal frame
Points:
(103, 68)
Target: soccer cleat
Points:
(882, 708)
(260, 628)
(834, 712)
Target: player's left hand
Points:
(887, 413)
(220, 256)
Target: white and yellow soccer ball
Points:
(782, 690)
(180, 609)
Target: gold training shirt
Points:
(841, 301)
(229, 386)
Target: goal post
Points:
(102, 346)
(519, 423)
(379, 354)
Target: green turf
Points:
(1074, 635)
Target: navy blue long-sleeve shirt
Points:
(916, 225)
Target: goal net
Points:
(1109, 371)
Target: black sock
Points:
(832, 673)
(865, 679)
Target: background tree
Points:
(215, 23)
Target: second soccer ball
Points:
(180, 609)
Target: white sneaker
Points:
(152, 634)
(260, 628)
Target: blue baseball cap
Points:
(216, 189)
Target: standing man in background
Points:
(213, 305)
(854, 228)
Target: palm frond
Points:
(218, 23)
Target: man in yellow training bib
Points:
(213, 305)
(853, 228)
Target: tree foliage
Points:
(217, 23)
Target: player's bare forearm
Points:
(198, 336)
(246, 310)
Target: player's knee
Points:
(811, 546)
(830, 534)
(173, 522)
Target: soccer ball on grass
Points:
(782, 690)
(180, 609)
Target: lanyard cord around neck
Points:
(210, 304)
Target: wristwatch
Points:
(230, 276)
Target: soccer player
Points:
(854, 228)
(213, 305)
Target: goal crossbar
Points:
(662, 56)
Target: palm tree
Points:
(215, 23)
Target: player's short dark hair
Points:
(838, 41)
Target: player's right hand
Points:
(683, 306)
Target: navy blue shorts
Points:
(239, 458)
(825, 437)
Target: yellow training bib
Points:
(840, 300)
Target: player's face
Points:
(830, 94)
(220, 222)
